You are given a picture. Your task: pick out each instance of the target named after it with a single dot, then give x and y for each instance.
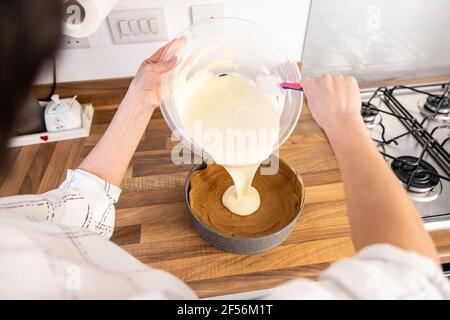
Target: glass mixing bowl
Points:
(248, 49)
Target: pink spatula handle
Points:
(292, 86)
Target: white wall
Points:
(285, 18)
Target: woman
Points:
(62, 233)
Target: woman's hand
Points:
(144, 89)
(111, 156)
(334, 101)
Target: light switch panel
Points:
(143, 24)
(124, 28)
(134, 27)
(154, 26)
(138, 25)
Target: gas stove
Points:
(410, 126)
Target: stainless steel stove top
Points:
(399, 134)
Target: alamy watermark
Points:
(74, 13)
(231, 146)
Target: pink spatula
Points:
(291, 86)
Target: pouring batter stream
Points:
(237, 124)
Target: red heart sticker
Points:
(45, 138)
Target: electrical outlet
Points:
(202, 12)
(141, 25)
(75, 43)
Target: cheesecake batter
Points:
(281, 197)
(234, 122)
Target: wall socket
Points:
(75, 43)
(202, 12)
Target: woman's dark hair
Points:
(30, 32)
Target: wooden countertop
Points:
(152, 222)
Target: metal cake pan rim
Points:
(248, 239)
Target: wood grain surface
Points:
(152, 221)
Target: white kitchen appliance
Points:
(410, 127)
(379, 40)
(62, 114)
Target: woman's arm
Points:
(379, 209)
(111, 156)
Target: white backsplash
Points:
(285, 18)
(378, 39)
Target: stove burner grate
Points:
(368, 112)
(371, 115)
(425, 175)
(440, 105)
